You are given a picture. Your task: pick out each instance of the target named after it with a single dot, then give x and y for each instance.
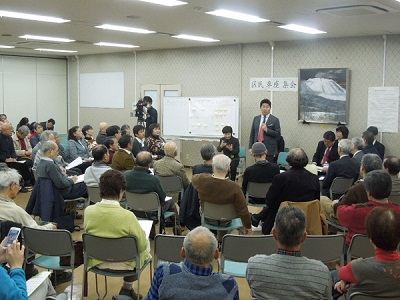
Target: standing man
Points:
(379, 146)
(151, 113)
(266, 129)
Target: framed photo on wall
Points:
(324, 95)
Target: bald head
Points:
(171, 149)
(103, 127)
(144, 159)
(200, 246)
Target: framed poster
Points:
(324, 95)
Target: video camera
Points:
(139, 110)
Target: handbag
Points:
(78, 248)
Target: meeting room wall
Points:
(35, 88)
(226, 71)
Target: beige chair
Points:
(325, 248)
(339, 186)
(394, 197)
(362, 296)
(167, 248)
(237, 249)
(172, 184)
(257, 190)
(147, 203)
(94, 194)
(316, 219)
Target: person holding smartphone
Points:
(230, 146)
(13, 283)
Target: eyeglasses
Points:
(16, 184)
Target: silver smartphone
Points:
(12, 236)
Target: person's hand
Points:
(74, 178)
(15, 255)
(264, 127)
(3, 251)
(10, 159)
(247, 231)
(223, 144)
(342, 286)
(230, 147)
(28, 153)
(251, 152)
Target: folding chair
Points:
(257, 190)
(339, 186)
(281, 161)
(360, 246)
(326, 248)
(94, 194)
(242, 162)
(362, 296)
(237, 249)
(394, 197)
(171, 184)
(50, 244)
(147, 203)
(220, 213)
(167, 248)
(111, 250)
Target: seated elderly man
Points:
(297, 185)
(123, 159)
(391, 164)
(21, 142)
(194, 278)
(343, 167)
(68, 187)
(358, 147)
(9, 156)
(217, 188)
(207, 152)
(102, 135)
(378, 186)
(261, 172)
(99, 166)
(169, 166)
(376, 276)
(287, 274)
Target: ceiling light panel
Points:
(17, 15)
(303, 29)
(115, 45)
(236, 16)
(124, 28)
(166, 2)
(6, 47)
(45, 38)
(194, 38)
(55, 50)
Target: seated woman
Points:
(112, 145)
(155, 142)
(108, 219)
(77, 147)
(379, 275)
(87, 132)
(207, 152)
(230, 146)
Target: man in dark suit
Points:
(266, 129)
(358, 144)
(369, 147)
(297, 184)
(326, 150)
(139, 142)
(379, 146)
(343, 167)
(151, 113)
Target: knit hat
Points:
(258, 148)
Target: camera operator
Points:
(151, 113)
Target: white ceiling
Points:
(371, 18)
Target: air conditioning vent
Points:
(353, 10)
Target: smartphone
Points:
(12, 236)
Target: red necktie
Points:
(261, 132)
(325, 159)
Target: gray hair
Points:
(346, 145)
(297, 157)
(170, 149)
(45, 136)
(221, 162)
(144, 159)
(200, 245)
(47, 146)
(23, 129)
(371, 162)
(290, 226)
(55, 133)
(7, 177)
(358, 142)
(378, 183)
(207, 151)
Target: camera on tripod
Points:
(139, 110)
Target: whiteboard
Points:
(200, 116)
(104, 90)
